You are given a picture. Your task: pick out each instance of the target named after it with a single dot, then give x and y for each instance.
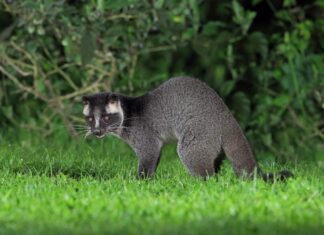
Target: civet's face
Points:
(103, 113)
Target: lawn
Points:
(64, 186)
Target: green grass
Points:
(64, 186)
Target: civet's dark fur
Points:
(182, 109)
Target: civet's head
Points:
(103, 113)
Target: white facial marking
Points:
(86, 110)
(97, 122)
(113, 107)
(96, 115)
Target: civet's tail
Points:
(238, 151)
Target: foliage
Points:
(55, 51)
(265, 58)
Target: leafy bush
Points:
(265, 58)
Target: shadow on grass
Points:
(228, 225)
(70, 172)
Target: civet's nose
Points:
(96, 132)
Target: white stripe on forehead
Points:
(96, 115)
(86, 110)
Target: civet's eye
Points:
(106, 118)
(90, 119)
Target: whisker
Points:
(84, 128)
(87, 134)
(83, 131)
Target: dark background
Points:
(264, 57)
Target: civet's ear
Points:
(85, 100)
(112, 104)
(112, 99)
(86, 107)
